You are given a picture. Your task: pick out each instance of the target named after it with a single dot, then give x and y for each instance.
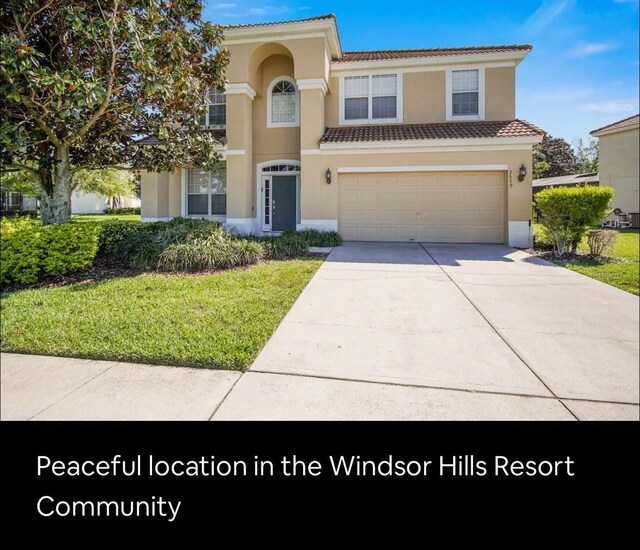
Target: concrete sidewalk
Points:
(387, 331)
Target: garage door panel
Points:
(433, 207)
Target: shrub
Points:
(601, 240)
(566, 213)
(314, 237)
(128, 210)
(30, 251)
(210, 253)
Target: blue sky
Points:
(581, 74)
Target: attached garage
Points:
(456, 207)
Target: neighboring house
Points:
(394, 145)
(574, 180)
(618, 162)
(81, 203)
(12, 202)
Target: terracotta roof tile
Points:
(631, 121)
(381, 55)
(316, 18)
(439, 130)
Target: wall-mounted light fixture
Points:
(522, 173)
(327, 176)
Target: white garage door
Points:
(455, 207)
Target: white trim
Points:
(370, 120)
(434, 168)
(321, 225)
(259, 218)
(312, 84)
(244, 226)
(167, 219)
(241, 88)
(615, 130)
(235, 152)
(514, 58)
(296, 122)
(429, 144)
(481, 93)
(310, 152)
(427, 69)
(520, 234)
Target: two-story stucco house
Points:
(618, 160)
(397, 145)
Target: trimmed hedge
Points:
(128, 210)
(211, 253)
(314, 237)
(567, 213)
(30, 251)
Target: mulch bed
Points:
(102, 269)
(578, 257)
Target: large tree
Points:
(553, 157)
(586, 155)
(82, 81)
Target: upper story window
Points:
(465, 94)
(206, 193)
(371, 98)
(283, 107)
(216, 114)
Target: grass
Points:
(218, 321)
(621, 274)
(105, 217)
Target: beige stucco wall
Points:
(618, 158)
(424, 97)
(160, 194)
(500, 93)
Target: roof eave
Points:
(281, 31)
(515, 56)
(600, 133)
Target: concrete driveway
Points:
(424, 331)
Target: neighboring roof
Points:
(438, 130)
(219, 135)
(380, 55)
(574, 179)
(620, 125)
(308, 19)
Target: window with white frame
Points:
(206, 192)
(465, 92)
(283, 103)
(371, 97)
(216, 114)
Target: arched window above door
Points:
(283, 103)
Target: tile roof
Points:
(631, 121)
(308, 19)
(381, 55)
(438, 130)
(219, 135)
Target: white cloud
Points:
(557, 95)
(584, 49)
(545, 15)
(612, 107)
(257, 11)
(224, 6)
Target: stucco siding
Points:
(618, 157)
(500, 93)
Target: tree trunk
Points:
(56, 203)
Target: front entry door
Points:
(283, 203)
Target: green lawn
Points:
(105, 217)
(624, 275)
(218, 321)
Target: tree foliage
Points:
(82, 82)
(567, 213)
(586, 155)
(553, 157)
